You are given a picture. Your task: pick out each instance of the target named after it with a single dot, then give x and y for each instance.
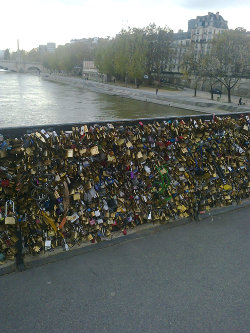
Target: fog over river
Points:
(27, 100)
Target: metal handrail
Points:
(15, 132)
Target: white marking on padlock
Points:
(45, 133)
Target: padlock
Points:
(10, 216)
(192, 164)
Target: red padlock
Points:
(5, 183)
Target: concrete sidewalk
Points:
(180, 99)
(205, 97)
(201, 95)
(193, 278)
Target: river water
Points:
(27, 100)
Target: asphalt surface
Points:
(191, 278)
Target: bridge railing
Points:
(15, 132)
(22, 61)
(82, 183)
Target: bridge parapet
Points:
(65, 184)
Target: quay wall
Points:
(173, 100)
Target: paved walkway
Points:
(181, 99)
(201, 95)
(192, 278)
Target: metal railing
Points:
(15, 132)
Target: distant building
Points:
(51, 47)
(42, 48)
(82, 40)
(200, 32)
(93, 40)
(89, 71)
(204, 28)
(181, 40)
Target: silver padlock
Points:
(47, 244)
(10, 218)
(65, 245)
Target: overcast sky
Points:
(36, 22)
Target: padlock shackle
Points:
(9, 202)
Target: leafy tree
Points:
(104, 57)
(33, 55)
(192, 66)
(240, 29)
(137, 55)
(230, 59)
(130, 51)
(18, 55)
(121, 55)
(6, 55)
(135, 52)
(206, 68)
(67, 57)
(159, 49)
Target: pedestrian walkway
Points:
(181, 99)
(201, 95)
(192, 278)
(206, 97)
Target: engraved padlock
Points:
(10, 216)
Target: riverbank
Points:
(179, 99)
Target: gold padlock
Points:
(3, 153)
(69, 153)
(94, 150)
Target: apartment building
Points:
(50, 47)
(200, 32)
(182, 40)
(89, 71)
(204, 28)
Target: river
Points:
(27, 100)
